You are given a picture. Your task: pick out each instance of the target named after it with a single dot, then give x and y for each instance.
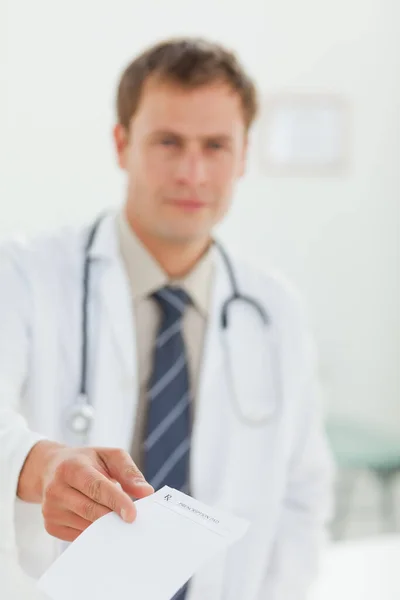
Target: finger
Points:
(77, 503)
(61, 532)
(66, 518)
(75, 521)
(97, 487)
(122, 468)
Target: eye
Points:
(169, 141)
(213, 145)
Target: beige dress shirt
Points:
(145, 277)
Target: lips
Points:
(189, 204)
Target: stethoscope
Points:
(82, 413)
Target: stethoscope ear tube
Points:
(246, 299)
(83, 391)
(236, 294)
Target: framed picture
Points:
(304, 135)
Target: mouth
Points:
(189, 204)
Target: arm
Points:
(16, 439)
(307, 505)
(74, 486)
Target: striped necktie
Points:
(167, 434)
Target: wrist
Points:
(30, 483)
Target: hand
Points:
(79, 485)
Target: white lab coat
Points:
(277, 475)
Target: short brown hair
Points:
(188, 62)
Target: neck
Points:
(175, 258)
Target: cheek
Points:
(156, 168)
(224, 174)
(146, 170)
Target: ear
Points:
(243, 159)
(120, 135)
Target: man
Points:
(169, 411)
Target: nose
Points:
(192, 168)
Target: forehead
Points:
(211, 109)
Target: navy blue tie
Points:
(167, 434)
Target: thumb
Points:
(121, 467)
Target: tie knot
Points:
(172, 301)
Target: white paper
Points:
(171, 538)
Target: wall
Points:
(337, 239)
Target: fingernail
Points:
(124, 516)
(142, 483)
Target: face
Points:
(184, 151)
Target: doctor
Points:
(122, 361)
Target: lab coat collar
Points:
(114, 289)
(105, 242)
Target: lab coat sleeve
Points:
(16, 439)
(308, 500)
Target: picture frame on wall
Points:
(304, 134)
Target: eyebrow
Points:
(220, 137)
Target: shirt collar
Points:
(147, 276)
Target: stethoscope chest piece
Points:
(81, 417)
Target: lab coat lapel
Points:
(115, 371)
(207, 473)
(211, 404)
(114, 291)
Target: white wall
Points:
(338, 239)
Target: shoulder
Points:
(49, 250)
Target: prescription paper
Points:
(152, 558)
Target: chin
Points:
(186, 236)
